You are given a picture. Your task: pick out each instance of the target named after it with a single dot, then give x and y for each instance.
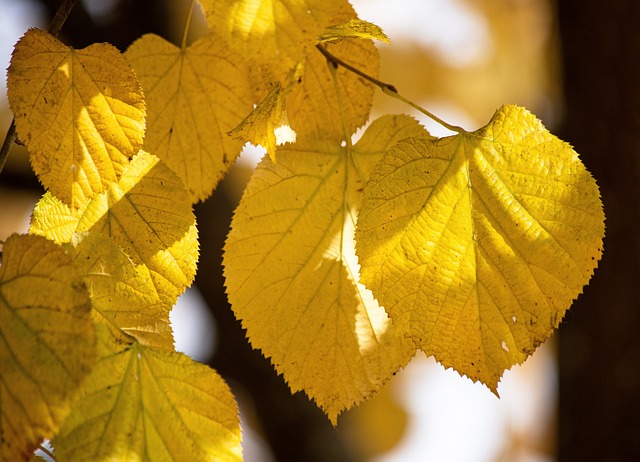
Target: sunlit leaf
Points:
(147, 213)
(122, 291)
(194, 97)
(260, 126)
(292, 276)
(149, 405)
(274, 34)
(80, 113)
(314, 109)
(47, 342)
(354, 28)
(477, 244)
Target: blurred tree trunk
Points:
(599, 416)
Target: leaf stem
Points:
(187, 25)
(62, 13)
(387, 89)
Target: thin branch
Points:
(386, 88)
(9, 139)
(61, 16)
(54, 29)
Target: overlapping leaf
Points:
(47, 342)
(80, 113)
(314, 108)
(194, 97)
(274, 34)
(292, 276)
(260, 125)
(477, 244)
(145, 404)
(354, 28)
(147, 213)
(121, 291)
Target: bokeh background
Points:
(576, 65)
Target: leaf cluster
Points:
(343, 259)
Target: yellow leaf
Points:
(147, 213)
(477, 244)
(313, 107)
(121, 291)
(143, 404)
(80, 113)
(354, 28)
(292, 276)
(47, 342)
(194, 97)
(260, 126)
(274, 34)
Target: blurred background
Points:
(576, 65)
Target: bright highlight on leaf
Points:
(47, 342)
(354, 28)
(292, 276)
(275, 34)
(194, 97)
(313, 108)
(477, 244)
(143, 404)
(80, 113)
(147, 213)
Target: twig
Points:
(9, 139)
(386, 88)
(54, 29)
(61, 16)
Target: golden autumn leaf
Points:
(121, 291)
(48, 342)
(477, 244)
(147, 213)
(150, 405)
(354, 28)
(292, 276)
(261, 124)
(275, 34)
(80, 113)
(314, 108)
(194, 97)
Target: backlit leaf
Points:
(47, 342)
(122, 291)
(354, 28)
(80, 113)
(259, 127)
(313, 107)
(149, 405)
(477, 244)
(292, 276)
(194, 97)
(147, 213)
(274, 34)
